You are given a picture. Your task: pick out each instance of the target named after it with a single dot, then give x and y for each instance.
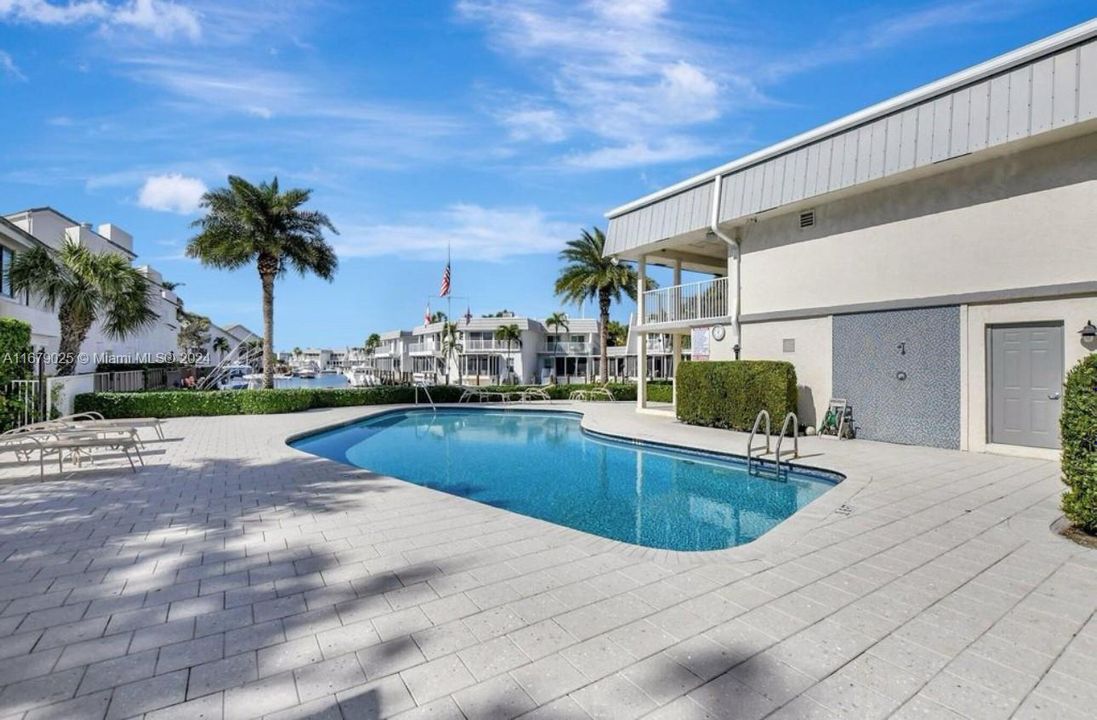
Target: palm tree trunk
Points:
(73, 333)
(268, 329)
(603, 332)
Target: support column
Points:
(676, 344)
(642, 337)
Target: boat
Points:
(238, 376)
(362, 376)
(329, 371)
(308, 371)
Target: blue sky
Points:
(501, 126)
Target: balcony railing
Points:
(697, 301)
(487, 344)
(422, 347)
(568, 348)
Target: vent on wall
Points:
(788, 345)
(807, 219)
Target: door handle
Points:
(1053, 396)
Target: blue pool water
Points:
(542, 464)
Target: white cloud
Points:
(8, 68)
(171, 193)
(474, 232)
(532, 123)
(163, 18)
(620, 70)
(668, 149)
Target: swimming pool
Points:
(543, 464)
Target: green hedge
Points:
(1078, 426)
(730, 394)
(15, 364)
(181, 403)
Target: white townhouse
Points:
(47, 227)
(392, 355)
(932, 259)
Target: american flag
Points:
(444, 290)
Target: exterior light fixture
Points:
(1089, 332)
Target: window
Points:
(6, 256)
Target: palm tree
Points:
(194, 333)
(618, 333)
(511, 335)
(438, 317)
(372, 343)
(221, 346)
(556, 321)
(260, 224)
(589, 275)
(451, 348)
(84, 286)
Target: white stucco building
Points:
(930, 258)
(47, 227)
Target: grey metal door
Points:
(1026, 383)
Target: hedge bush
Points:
(730, 394)
(15, 364)
(181, 403)
(1078, 427)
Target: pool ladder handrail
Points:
(795, 440)
(753, 432)
(426, 392)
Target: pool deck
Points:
(235, 577)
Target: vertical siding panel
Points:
(877, 148)
(757, 187)
(1087, 81)
(684, 215)
(811, 172)
(644, 233)
(1020, 102)
(908, 139)
(735, 204)
(658, 212)
(790, 176)
(979, 121)
(775, 175)
(961, 113)
(942, 128)
(923, 154)
(893, 140)
(999, 111)
(1043, 89)
(1065, 92)
(837, 158)
(849, 159)
(799, 176)
(864, 153)
(702, 207)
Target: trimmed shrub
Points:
(15, 364)
(182, 403)
(1078, 427)
(730, 394)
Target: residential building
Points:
(930, 259)
(45, 226)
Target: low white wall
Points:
(66, 389)
(812, 338)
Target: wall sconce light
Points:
(1089, 332)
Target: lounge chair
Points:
(480, 394)
(595, 393)
(530, 394)
(61, 440)
(96, 420)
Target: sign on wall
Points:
(700, 343)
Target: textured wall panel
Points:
(923, 408)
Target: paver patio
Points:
(235, 577)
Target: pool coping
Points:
(789, 531)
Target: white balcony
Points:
(694, 303)
(477, 345)
(422, 348)
(568, 348)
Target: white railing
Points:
(573, 348)
(489, 344)
(704, 300)
(421, 347)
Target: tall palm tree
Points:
(372, 343)
(556, 321)
(220, 346)
(512, 336)
(193, 333)
(438, 316)
(84, 286)
(451, 348)
(589, 275)
(261, 224)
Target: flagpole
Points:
(449, 295)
